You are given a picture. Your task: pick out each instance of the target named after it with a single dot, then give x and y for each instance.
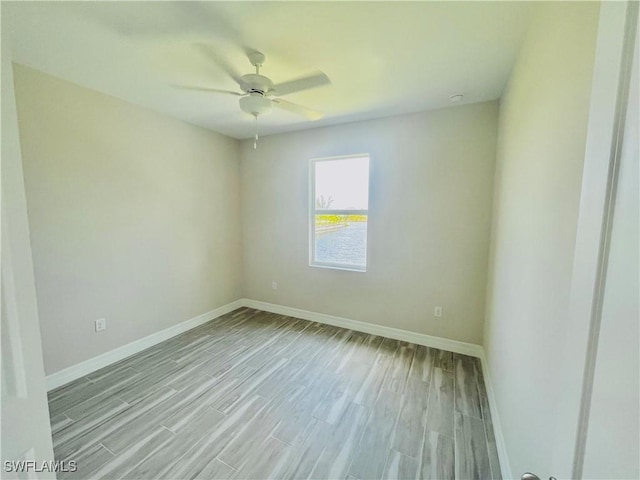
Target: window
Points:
(339, 212)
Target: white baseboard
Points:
(501, 446)
(84, 368)
(390, 332)
(88, 366)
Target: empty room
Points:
(320, 240)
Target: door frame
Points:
(25, 428)
(610, 86)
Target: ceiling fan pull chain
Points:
(255, 141)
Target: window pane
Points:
(342, 184)
(341, 239)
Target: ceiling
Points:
(383, 58)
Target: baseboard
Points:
(505, 466)
(390, 332)
(84, 368)
(74, 372)
(88, 366)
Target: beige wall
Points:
(429, 218)
(134, 217)
(541, 147)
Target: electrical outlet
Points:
(437, 312)
(274, 285)
(100, 324)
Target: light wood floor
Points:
(259, 395)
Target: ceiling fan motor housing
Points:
(254, 83)
(257, 86)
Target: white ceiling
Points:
(383, 58)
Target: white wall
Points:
(430, 205)
(541, 146)
(134, 217)
(613, 436)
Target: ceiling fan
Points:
(259, 94)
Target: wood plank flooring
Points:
(255, 395)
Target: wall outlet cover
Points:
(100, 324)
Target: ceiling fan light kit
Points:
(255, 104)
(259, 94)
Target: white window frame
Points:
(313, 212)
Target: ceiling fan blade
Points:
(222, 63)
(297, 109)
(207, 89)
(305, 83)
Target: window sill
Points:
(348, 268)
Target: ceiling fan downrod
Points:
(257, 60)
